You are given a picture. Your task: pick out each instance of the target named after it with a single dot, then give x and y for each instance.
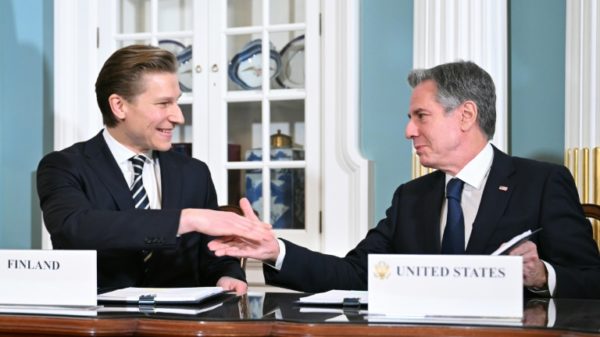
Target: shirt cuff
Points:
(550, 284)
(279, 262)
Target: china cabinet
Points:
(276, 77)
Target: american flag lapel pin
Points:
(503, 188)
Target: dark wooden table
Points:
(277, 315)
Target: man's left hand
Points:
(232, 284)
(534, 270)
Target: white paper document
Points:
(337, 297)
(160, 295)
(445, 320)
(49, 310)
(158, 309)
(514, 242)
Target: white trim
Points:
(582, 76)
(347, 201)
(446, 31)
(76, 116)
(582, 103)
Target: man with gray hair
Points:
(477, 199)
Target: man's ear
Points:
(468, 116)
(118, 106)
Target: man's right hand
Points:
(222, 224)
(264, 249)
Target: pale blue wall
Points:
(386, 37)
(537, 72)
(26, 30)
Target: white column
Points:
(346, 195)
(76, 115)
(582, 96)
(473, 30)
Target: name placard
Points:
(446, 285)
(48, 277)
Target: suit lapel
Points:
(432, 217)
(171, 181)
(108, 172)
(496, 194)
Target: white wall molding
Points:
(346, 195)
(582, 110)
(76, 116)
(450, 30)
(582, 102)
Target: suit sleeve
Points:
(217, 267)
(566, 242)
(80, 214)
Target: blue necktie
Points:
(138, 192)
(454, 234)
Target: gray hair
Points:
(458, 82)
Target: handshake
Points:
(249, 238)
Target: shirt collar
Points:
(477, 169)
(121, 153)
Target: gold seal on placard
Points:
(382, 270)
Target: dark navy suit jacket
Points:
(536, 195)
(87, 204)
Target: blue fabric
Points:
(454, 234)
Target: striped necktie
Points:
(138, 192)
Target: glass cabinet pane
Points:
(242, 13)
(182, 134)
(244, 128)
(175, 15)
(244, 53)
(290, 46)
(288, 118)
(286, 11)
(236, 185)
(124, 43)
(135, 16)
(182, 49)
(287, 193)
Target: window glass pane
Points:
(243, 13)
(244, 129)
(287, 11)
(175, 15)
(135, 16)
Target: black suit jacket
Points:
(537, 195)
(87, 204)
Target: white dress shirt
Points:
(475, 175)
(151, 170)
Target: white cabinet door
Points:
(233, 113)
